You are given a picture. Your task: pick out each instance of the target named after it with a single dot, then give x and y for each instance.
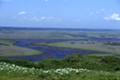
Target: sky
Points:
(103, 14)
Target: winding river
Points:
(48, 52)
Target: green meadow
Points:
(8, 49)
(75, 67)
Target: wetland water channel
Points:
(49, 52)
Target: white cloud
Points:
(114, 17)
(38, 18)
(46, 18)
(24, 16)
(22, 13)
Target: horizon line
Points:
(20, 27)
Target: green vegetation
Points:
(17, 51)
(104, 63)
(84, 45)
(6, 42)
(75, 67)
(13, 72)
(113, 43)
(108, 63)
(7, 48)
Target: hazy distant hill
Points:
(51, 33)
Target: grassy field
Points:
(17, 51)
(84, 45)
(7, 48)
(9, 34)
(11, 70)
(55, 34)
(58, 74)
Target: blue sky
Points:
(60, 13)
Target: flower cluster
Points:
(70, 70)
(14, 68)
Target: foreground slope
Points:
(13, 72)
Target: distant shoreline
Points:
(48, 28)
